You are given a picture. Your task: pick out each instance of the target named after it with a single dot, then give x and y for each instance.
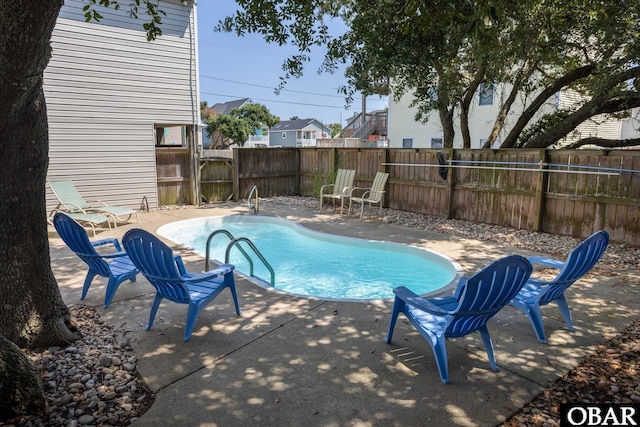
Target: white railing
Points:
(227, 154)
(300, 142)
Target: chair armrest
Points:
(99, 202)
(547, 262)
(75, 209)
(417, 301)
(114, 255)
(538, 282)
(325, 186)
(364, 190)
(207, 275)
(346, 191)
(107, 241)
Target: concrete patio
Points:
(299, 361)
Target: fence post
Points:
(451, 185)
(296, 188)
(236, 175)
(385, 168)
(541, 189)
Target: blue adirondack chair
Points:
(167, 274)
(537, 293)
(116, 266)
(476, 300)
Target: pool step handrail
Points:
(231, 237)
(236, 242)
(255, 207)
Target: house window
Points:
(485, 94)
(437, 142)
(173, 135)
(407, 142)
(482, 142)
(284, 135)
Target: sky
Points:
(233, 67)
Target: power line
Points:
(246, 49)
(273, 100)
(270, 87)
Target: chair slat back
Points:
(487, 292)
(580, 260)
(156, 262)
(75, 237)
(344, 178)
(377, 188)
(68, 195)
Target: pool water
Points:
(316, 264)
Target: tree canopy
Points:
(442, 52)
(336, 128)
(239, 124)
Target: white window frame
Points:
(436, 138)
(483, 94)
(407, 139)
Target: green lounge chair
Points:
(71, 201)
(85, 219)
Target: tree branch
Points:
(597, 105)
(527, 114)
(602, 142)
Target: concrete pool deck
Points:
(296, 361)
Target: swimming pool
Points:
(315, 264)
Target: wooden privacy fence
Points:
(173, 175)
(562, 192)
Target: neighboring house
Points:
(260, 138)
(226, 107)
(298, 133)
(406, 132)
(114, 100)
(373, 127)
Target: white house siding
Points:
(630, 127)
(402, 124)
(599, 126)
(106, 87)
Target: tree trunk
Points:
(465, 105)
(21, 389)
(446, 119)
(33, 313)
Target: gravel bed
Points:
(95, 382)
(92, 382)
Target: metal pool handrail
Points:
(254, 207)
(231, 237)
(235, 242)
